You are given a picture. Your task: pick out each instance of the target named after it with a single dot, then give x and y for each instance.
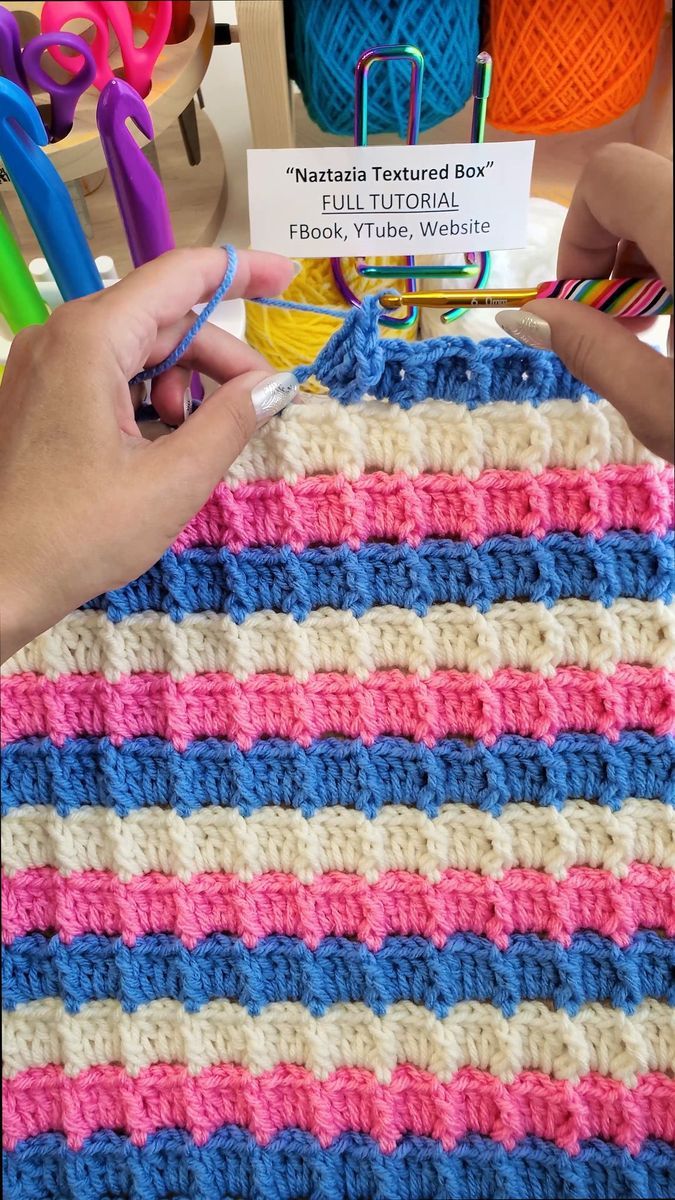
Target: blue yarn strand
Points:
(276, 302)
(179, 351)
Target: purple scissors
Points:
(24, 66)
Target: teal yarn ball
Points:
(325, 38)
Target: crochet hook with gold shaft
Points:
(619, 297)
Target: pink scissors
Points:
(138, 61)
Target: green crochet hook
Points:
(20, 302)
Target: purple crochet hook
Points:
(138, 191)
(141, 199)
(11, 65)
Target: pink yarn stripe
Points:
(340, 904)
(165, 1096)
(331, 509)
(447, 703)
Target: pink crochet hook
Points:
(138, 61)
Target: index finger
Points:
(161, 292)
(624, 194)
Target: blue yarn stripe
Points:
(149, 771)
(293, 1166)
(561, 565)
(280, 968)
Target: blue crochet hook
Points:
(44, 195)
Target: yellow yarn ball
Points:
(290, 339)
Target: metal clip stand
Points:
(482, 78)
(477, 264)
(366, 60)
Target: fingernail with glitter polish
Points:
(272, 394)
(187, 404)
(525, 327)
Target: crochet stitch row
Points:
(91, 967)
(556, 567)
(516, 634)
(387, 702)
(293, 1164)
(319, 436)
(147, 771)
(357, 362)
(398, 838)
(331, 509)
(605, 1042)
(351, 1099)
(343, 905)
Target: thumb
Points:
(197, 454)
(603, 352)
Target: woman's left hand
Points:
(86, 502)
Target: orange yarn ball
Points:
(565, 65)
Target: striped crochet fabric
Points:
(339, 849)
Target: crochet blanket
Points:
(338, 848)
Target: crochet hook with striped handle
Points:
(618, 297)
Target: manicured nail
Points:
(271, 395)
(187, 404)
(297, 267)
(525, 327)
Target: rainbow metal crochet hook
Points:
(618, 297)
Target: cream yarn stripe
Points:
(600, 1039)
(527, 636)
(341, 839)
(319, 436)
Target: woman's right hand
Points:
(620, 222)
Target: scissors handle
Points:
(64, 97)
(138, 61)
